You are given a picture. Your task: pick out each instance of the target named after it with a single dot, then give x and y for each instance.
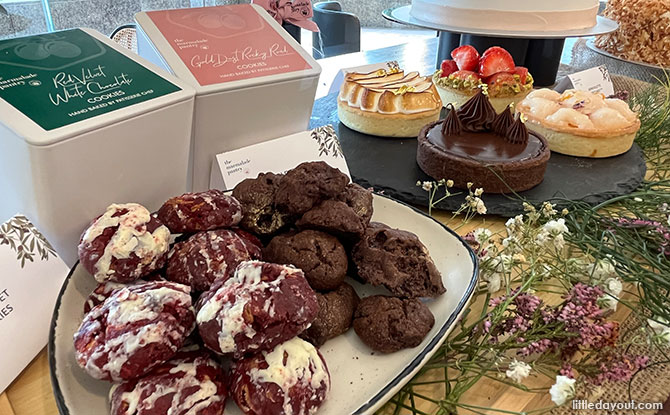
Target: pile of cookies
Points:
(254, 281)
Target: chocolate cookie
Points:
(192, 382)
(333, 216)
(193, 212)
(257, 198)
(123, 244)
(397, 260)
(320, 256)
(306, 185)
(389, 324)
(209, 256)
(259, 307)
(135, 329)
(291, 379)
(336, 313)
(359, 199)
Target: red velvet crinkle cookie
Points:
(123, 244)
(189, 383)
(260, 306)
(292, 379)
(194, 212)
(136, 328)
(210, 256)
(105, 289)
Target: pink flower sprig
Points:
(523, 323)
(657, 231)
(613, 367)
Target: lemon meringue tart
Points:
(581, 123)
(388, 103)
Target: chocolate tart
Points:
(474, 144)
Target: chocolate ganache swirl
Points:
(517, 133)
(452, 124)
(477, 114)
(502, 122)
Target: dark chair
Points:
(340, 31)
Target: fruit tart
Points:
(388, 103)
(459, 78)
(581, 123)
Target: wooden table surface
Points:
(31, 393)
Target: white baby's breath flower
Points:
(482, 236)
(559, 242)
(562, 390)
(514, 225)
(601, 270)
(527, 207)
(511, 244)
(548, 209)
(469, 185)
(553, 231)
(494, 282)
(661, 328)
(479, 191)
(450, 183)
(565, 212)
(502, 263)
(427, 186)
(613, 286)
(637, 199)
(418, 183)
(518, 371)
(556, 227)
(542, 237)
(479, 205)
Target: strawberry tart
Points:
(512, 15)
(388, 103)
(581, 123)
(459, 78)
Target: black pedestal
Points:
(516, 47)
(543, 59)
(447, 42)
(292, 30)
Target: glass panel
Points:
(25, 17)
(20, 18)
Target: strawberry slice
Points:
(465, 75)
(466, 57)
(448, 67)
(494, 60)
(523, 74)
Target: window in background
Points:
(26, 17)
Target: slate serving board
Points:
(389, 165)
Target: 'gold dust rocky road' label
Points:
(57, 79)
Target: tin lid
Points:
(225, 47)
(58, 85)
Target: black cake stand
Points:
(538, 51)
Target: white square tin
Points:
(253, 81)
(85, 123)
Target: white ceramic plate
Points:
(362, 381)
(402, 15)
(591, 45)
